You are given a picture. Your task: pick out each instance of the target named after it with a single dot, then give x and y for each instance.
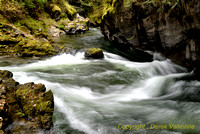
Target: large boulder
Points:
(170, 27)
(95, 53)
(75, 26)
(24, 108)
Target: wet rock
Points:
(1, 122)
(28, 106)
(95, 53)
(6, 74)
(55, 32)
(77, 25)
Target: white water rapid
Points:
(101, 96)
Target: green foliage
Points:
(20, 114)
(69, 9)
(61, 27)
(11, 10)
(34, 7)
(97, 9)
(32, 24)
(34, 3)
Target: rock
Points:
(25, 108)
(95, 53)
(70, 10)
(55, 11)
(170, 28)
(55, 32)
(78, 25)
(17, 43)
(6, 74)
(1, 122)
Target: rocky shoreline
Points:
(29, 33)
(24, 108)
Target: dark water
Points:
(114, 94)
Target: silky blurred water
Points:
(100, 96)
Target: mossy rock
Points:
(36, 103)
(29, 48)
(12, 10)
(5, 74)
(95, 53)
(55, 11)
(70, 10)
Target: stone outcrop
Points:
(95, 53)
(13, 41)
(78, 25)
(172, 28)
(24, 108)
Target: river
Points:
(114, 94)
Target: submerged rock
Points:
(25, 108)
(95, 53)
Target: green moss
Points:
(95, 53)
(32, 99)
(8, 38)
(20, 114)
(13, 11)
(55, 8)
(43, 35)
(70, 9)
(44, 107)
(61, 27)
(63, 22)
(94, 50)
(33, 25)
(29, 48)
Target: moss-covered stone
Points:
(95, 53)
(15, 42)
(78, 25)
(55, 11)
(6, 74)
(33, 25)
(27, 103)
(29, 48)
(11, 10)
(70, 9)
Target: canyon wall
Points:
(172, 28)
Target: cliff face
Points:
(172, 28)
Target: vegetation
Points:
(34, 17)
(25, 24)
(97, 9)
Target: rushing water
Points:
(101, 96)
